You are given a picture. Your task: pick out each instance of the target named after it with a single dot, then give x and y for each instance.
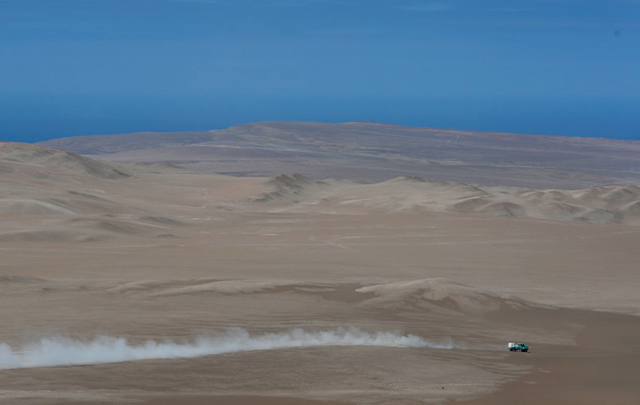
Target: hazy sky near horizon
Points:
(62, 59)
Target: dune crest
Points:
(188, 287)
(610, 204)
(440, 292)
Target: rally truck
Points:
(518, 347)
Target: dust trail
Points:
(61, 351)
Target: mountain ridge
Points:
(376, 152)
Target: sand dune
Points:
(79, 199)
(102, 268)
(401, 194)
(161, 220)
(633, 207)
(595, 205)
(441, 292)
(186, 287)
(504, 209)
(414, 295)
(288, 187)
(473, 204)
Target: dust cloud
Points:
(64, 351)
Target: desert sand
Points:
(414, 286)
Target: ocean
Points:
(33, 118)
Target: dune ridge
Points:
(443, 293)
(420, 294)
(611, 204)
(88, 201)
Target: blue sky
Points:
(72, 67)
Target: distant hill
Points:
(374, 152)
(106, 144)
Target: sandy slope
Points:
(157, 252)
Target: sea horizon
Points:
(35, 118)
